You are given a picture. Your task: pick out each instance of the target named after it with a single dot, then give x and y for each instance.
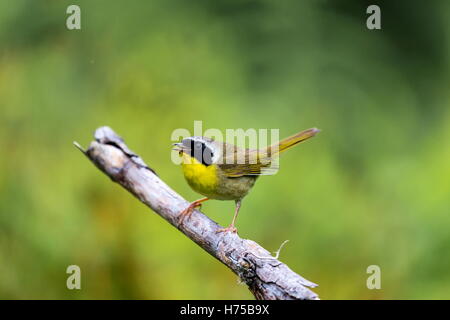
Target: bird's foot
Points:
(230, 228)
(186, 213)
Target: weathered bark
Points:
(266, 276)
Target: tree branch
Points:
(266, 277)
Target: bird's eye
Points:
(198, 145)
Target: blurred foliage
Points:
(372, 188)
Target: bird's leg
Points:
(231, 227)
(186, 213)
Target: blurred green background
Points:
(373, 188)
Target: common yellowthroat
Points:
(224, 171)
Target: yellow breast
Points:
(203, 179)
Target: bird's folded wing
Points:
(250, 163)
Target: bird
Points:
(223, 171)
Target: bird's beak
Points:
(178, 147)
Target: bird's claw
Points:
(186, 213)
(230, 228)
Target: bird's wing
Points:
(248, 162)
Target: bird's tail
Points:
(291, 141)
